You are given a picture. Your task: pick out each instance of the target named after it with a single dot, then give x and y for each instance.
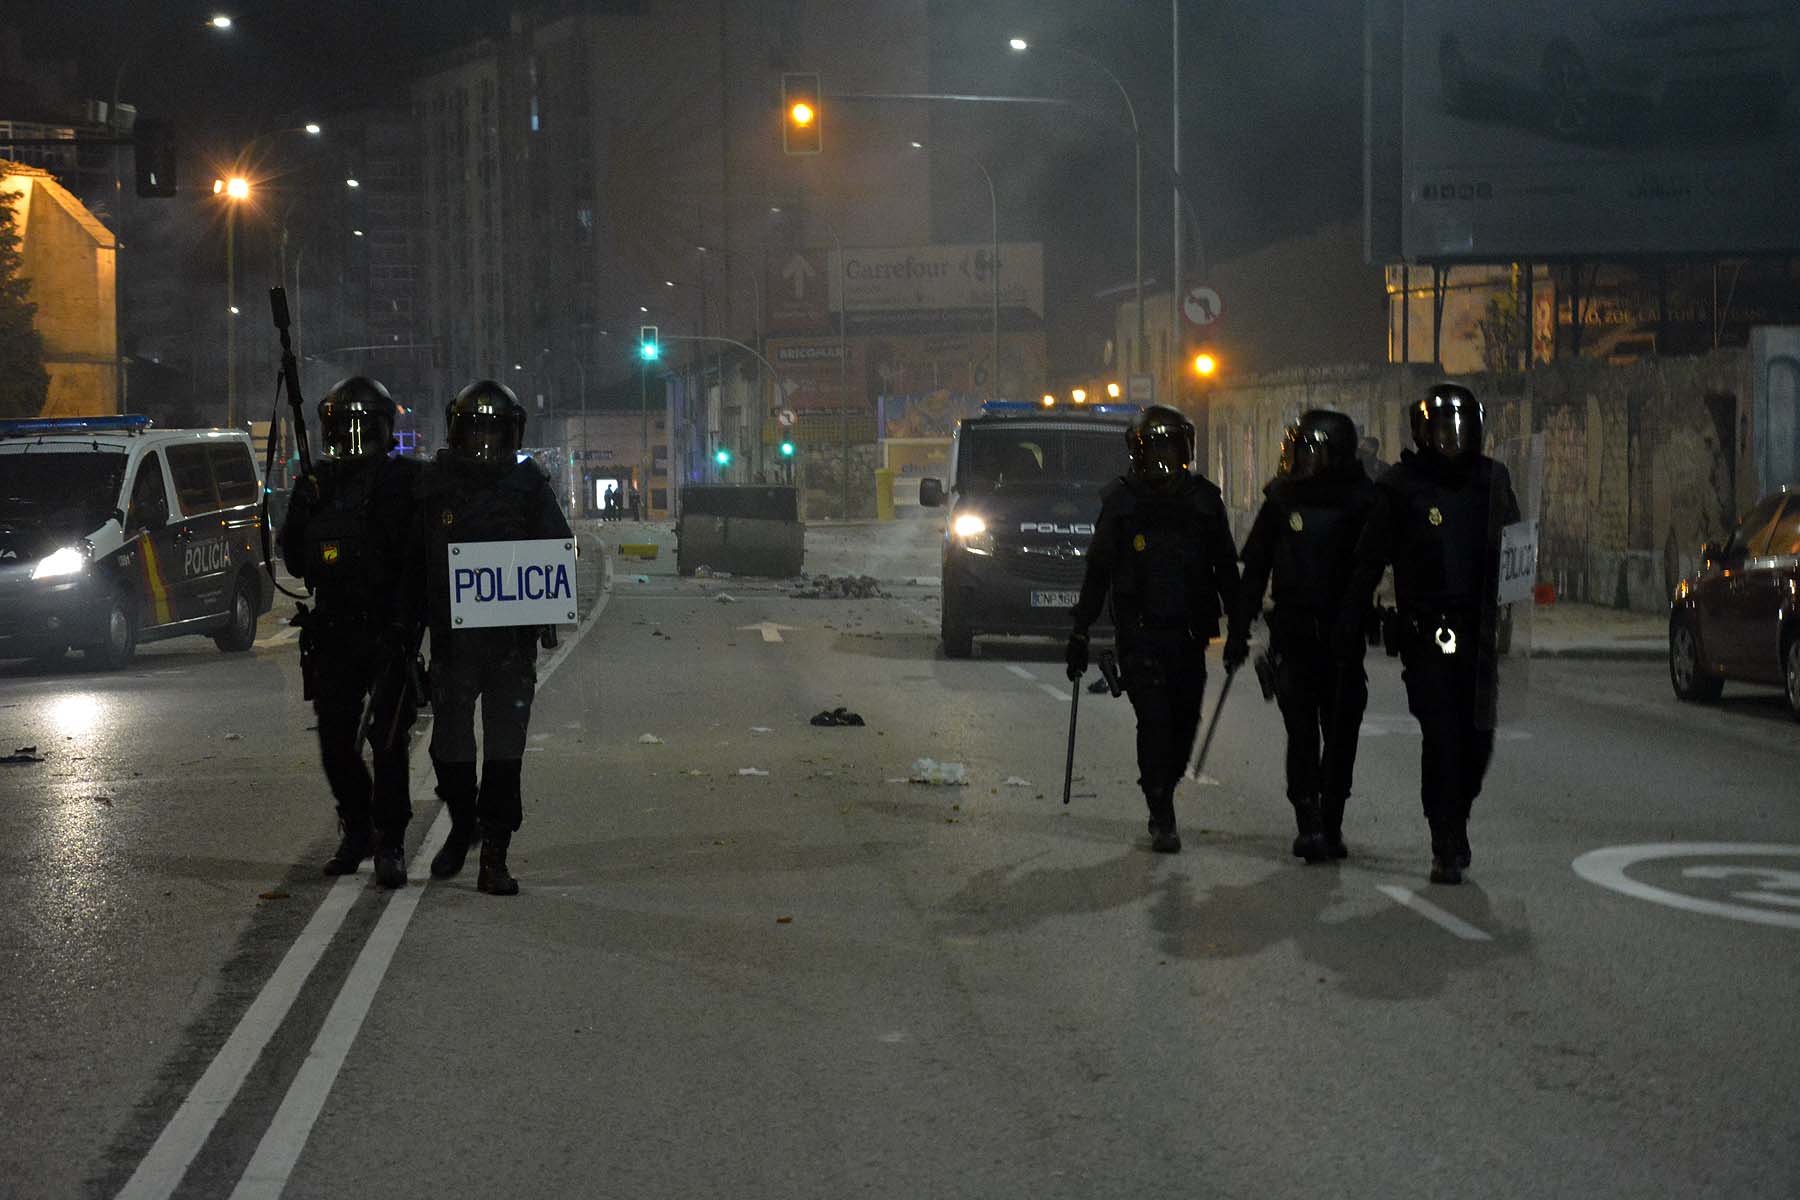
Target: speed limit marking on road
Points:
(1716, 881)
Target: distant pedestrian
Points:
(1162, 552)
(632, 504)
(1438, 518)
(1305, 537)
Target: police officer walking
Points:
(344, 534)
(479, 491)
(1162, 549)
(1438, 518)
(1305, 536)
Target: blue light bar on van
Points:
(1024, 408)
(996, 408)
(1113, 410)
(33, 426)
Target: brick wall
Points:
(1641, 463)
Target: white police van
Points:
(113, 533)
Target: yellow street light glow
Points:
(1049, 400)
(237, 187)
(1205, 364)
(1112, 391)
(218, 186)
(1079, 395)
(802, 112)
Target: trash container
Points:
(884, 493)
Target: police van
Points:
(114, 533)
(1023, 495)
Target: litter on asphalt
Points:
(946, 774)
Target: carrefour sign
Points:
(512, 583)
(942, 278)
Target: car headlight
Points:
(70, 560)
(973, 533)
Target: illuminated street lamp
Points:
(313, 128)
(1049, 400)
(1112, 391)
(220, 22)
(1079, 395)
(353, 183)
(1205, 364)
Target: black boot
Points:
(390, 859)
(1309, 842)
(1163, 837)
(456, 786)
(1331, 824)
(1444, 868)
(357, 844)
(494, 878)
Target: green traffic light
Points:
(722, 456)
(787, 449)
(649, 351)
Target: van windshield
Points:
(58, 490)
(1039, 454)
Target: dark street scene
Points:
(903, 598)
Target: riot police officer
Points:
(343, 535)
(1305, 536)
(479, 491)
(1162, 549)
(1438, 518)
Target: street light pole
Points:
(231, 315)
(1175, 281)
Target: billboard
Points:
(1580, 128)
(926, 280)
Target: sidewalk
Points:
(1565, 630)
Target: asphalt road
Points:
(818, 979)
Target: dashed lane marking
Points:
(1021, 672)
(1431, 912)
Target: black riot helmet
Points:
(1161, 442)
(1446, 424)
(486, 423)
(1321, 445)
(356, 419)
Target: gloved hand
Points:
(1237, 650)
(1076, 655)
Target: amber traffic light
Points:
(800, 117)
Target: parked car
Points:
(1739, 618)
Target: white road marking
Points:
(1433, 913)
(160, 1173)
(280, 637)
(1607, 867)
(1021, 672)
(771, 632)
(1055, 693)
(162, 1170)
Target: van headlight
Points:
(972, 532)
(70, 560)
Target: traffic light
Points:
(649, 349)
(800, 116)
(153, 155)
(722, 456)
(787, 449)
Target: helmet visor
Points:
(1451, 432)
(356, 434)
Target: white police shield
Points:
(497, 584)
(1516, 507)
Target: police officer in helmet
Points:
(344, 535)
(1162, 551)
(479, 491)
(1437, 519)
(1305, 537)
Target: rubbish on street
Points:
(272, 894)
(1015, 781)
(840, 587)
(930, 771)
(650, 739)
(637, 549)
(761, 729)
(751, 771)
(784, 920)
(838, 716)
(234, 737)
(24, 754)
(725, 598)
(1098, 686)
(640, 579)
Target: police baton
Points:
(1212, 727)
(1069, 764)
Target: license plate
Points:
(1054, 599)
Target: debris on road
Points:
(725, 598)
(839, 587)
(1015, 781)
(234, 737)
(784, 920)
(761, 729)
(640, 579)
(838, 716)
(272, 894)
(930, 771)
(24, 754)
(752, 771)
(650, 739)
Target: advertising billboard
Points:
(1582, 128)
(916, 280)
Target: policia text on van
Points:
(114, 533)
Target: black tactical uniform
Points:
(1306, 536)
(344, 535)
(477, 491)
(1162, 548)
(1438, 517)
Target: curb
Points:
(1603, 653)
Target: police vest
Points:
(343, 560)
(1315, 544)
(473, 502)
(1162, 575)
(1447, 523)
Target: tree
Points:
(24, 384)
(1503, 332)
